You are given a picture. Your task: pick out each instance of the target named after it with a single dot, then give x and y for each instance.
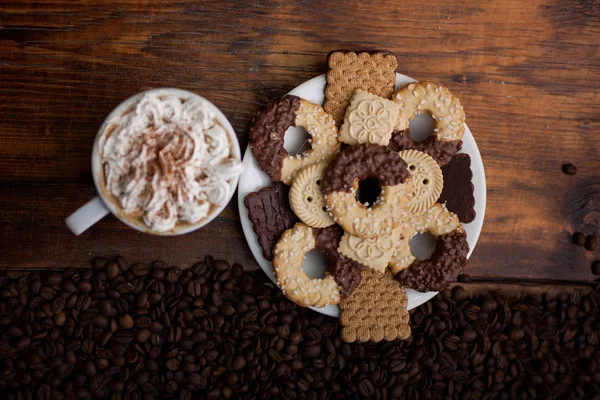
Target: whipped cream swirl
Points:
(168, 160)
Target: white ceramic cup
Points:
(100, 206)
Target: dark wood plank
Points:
(527, 73)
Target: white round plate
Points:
(253, 179)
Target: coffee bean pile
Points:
(120, 331)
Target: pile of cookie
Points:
(362, 134)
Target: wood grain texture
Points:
(527, 73)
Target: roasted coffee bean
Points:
(194, 288)
(99, 263)
(143, 335)
(84, 286)
(156, 339)
(228, 309)
(47, 293)
(123, 337)
(125, 287)
(88, 317)
(579, 238)
(596, 267)
(459, 293)
(98, 382)
(569, 169)
(87, 346)
(126, 321)
(23, 343)
(15, 331)
(155, 298)
(238, 363)
(366, 388)
(312, 351)
(58, 304)
(139, 269)
(591, 243)
(173, 275)
(112, 270)
(173, 364)
(83, 302)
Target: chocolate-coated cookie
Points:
(345, 271)
(270, 212)
(458, 188)
(440, 151)
(444, 266)
(341, 179)
(268, 130)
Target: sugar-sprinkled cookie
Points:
(448, 259)
(340, 182)
(289, 254)
(447, 113)
(268, 129)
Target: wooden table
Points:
(528, 74)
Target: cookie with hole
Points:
(343, 275)
(446, 262)
(448, 115)
(306, 197)
(341, 179)
(428, 180)
(268, 130)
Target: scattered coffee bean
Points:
(569, 169)
(99, 262)
(591, 243)
(579, 238)
(596, 267)
(459, 293)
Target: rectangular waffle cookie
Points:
(375, 310)
(348, 71)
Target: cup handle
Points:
(87, 215)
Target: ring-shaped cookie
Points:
(427, 179)
(287, 266)
(447, 113)
(448, 259)
(340, 182)
(306, 198)
(267, 133)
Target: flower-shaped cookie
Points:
(369, 119)
(373, 252)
